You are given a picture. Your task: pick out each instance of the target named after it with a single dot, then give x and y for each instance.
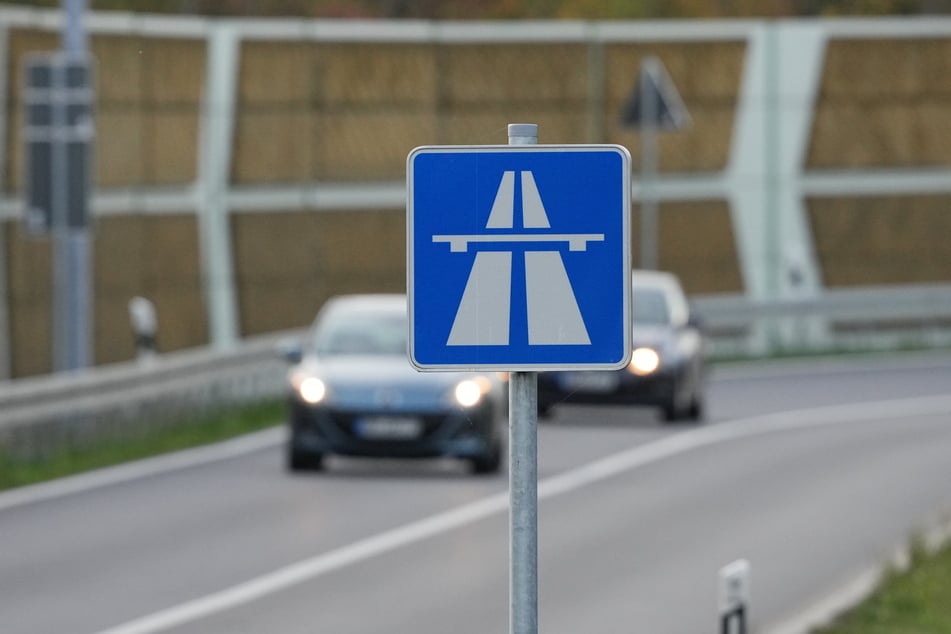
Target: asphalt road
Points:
(811, 471)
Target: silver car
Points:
(667, 364)
(354, 392)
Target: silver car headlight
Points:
(310, 388)
(644, 361)
(469, 393)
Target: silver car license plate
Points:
(589, 381)
(389, 427)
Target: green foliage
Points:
(917, 601)
(16, 472)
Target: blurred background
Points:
(247, 162)
(247, 169)
(520, 9)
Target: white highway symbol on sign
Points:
(553, 314)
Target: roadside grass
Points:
(916, 600)
(210, 428)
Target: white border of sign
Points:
(626, 255)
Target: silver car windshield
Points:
(650, 307)
(361, 334)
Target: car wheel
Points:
(693, 412)
(670, 412)
(298, 460)
(489, 462)
(696, 410)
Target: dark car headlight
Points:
(644, 361)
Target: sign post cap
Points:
(523, 130)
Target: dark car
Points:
(354, 392)
(667, 364)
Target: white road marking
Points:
(585, 475)
(822, 612)
(108, 476)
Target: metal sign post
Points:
(649, 234)
(653, 106)
(71, 245)
(523, 474)
(59, 99)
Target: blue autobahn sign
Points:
(518, 257)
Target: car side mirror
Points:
(291, 350)
(695, 321)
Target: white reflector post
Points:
(734, 597)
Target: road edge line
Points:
(822, 612)
(126, 472)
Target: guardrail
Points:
(41, 415)
(873, 318)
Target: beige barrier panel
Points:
(29, 300)
(883, 103)
(288, 263)
(154, 256)
(696, 243)
(882, 240)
